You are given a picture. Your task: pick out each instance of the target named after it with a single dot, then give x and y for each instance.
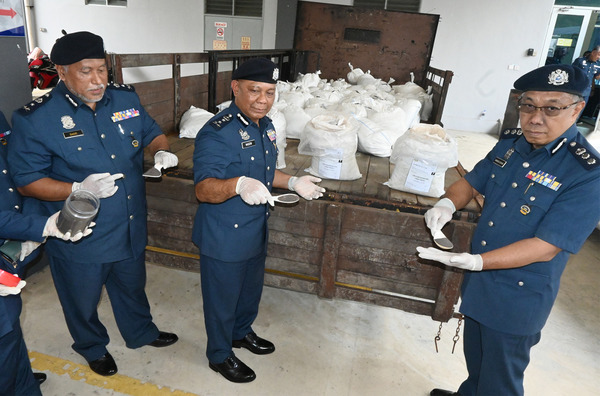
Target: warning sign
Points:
(220, 33)
(219, 44)
(245, 43)
(221, 24)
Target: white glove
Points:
(305, 186)
(253, 192)
(51, 230)
(165, 159)
(439, 215)
(6, 290)
(471, 262)
(101, 184)
(27, 247)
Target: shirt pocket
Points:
(81, 152)
(533, 206)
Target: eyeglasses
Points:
(550, 111)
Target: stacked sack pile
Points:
(335, 119)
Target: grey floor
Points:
(324, 347)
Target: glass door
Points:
(565, 38)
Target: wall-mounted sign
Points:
(245, 45)
(221, 24)
(11, 18)
(220, 33)
(564, 42)
(219, 45)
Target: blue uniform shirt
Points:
(13, 225)
(552, 193)
(59, 137)
(230, 145)
(591, 69)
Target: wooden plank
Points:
(387, 285)
(331, 241)
(405, 304)
(291, 266)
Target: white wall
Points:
(478, 40)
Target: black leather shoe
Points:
(105, 365)
(442, 392)
(40, 377)
(234, 370)
(254, 344)
(164, 339)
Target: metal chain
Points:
(456, 336)
(437, 338)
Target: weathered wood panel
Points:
(390, 44)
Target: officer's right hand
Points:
(439, 215)
(253, 192)
(51, 230)
(7, 290)
(101, 184)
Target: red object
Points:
(8, 279)
(42, 73)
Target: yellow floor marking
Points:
(118, 383)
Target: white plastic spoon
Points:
(288, 198)
(441, 241)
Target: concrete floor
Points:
(324, 347)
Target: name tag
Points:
(249, 143)
(72, 134)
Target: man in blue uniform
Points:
(28, 231)
(234, 172)
(91, 135)
(541, 185)
(590, 65)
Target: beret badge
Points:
(558, 77)
(275, 74)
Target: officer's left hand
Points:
(6, 290)
(27, 247)
(471, 262)
(165, 159)
(305, 186)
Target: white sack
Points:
(331, 139)
(353, 75)
(373, 139)
(412, 110)
(296, 119)
(192, 121)
(422, 155)
(280, 125)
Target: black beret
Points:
(73, 47)
(559, 78)
(257, 69)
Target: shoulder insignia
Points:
(121, 87)
(511, 133)
(243, 119)
(222, 121)
(35, 104)
(585, 157)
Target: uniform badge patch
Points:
(272, 134)
(558, 77)
(525, 209)
(67, 122)
(125, 114)
(275, 73)
(243, 134)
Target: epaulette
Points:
(585, 157)
(511, 133)
(121, 87)
(221, 122)
(35, 104)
